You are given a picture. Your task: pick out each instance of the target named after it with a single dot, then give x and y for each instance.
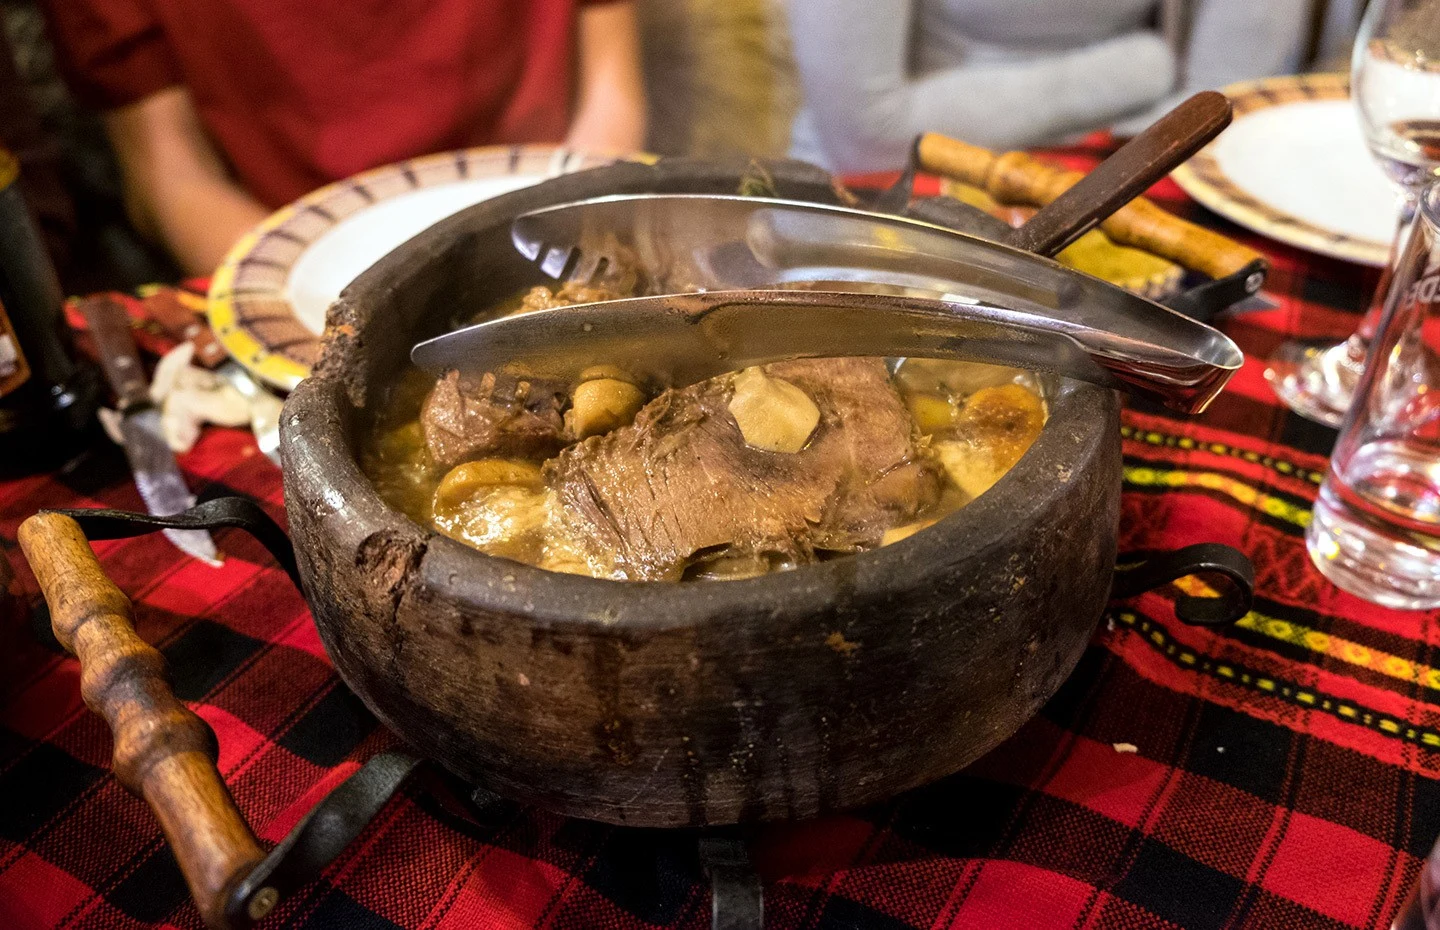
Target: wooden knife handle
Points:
(110, 328)
(183, 324)
(960, 161)
(1126, 174)
(1144, 225)
(1016, 177)
(164, 753)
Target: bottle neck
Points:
(29, 287)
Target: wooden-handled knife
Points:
(157, 474)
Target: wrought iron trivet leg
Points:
(736, 901)
(489, 809)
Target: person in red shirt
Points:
(222, 110)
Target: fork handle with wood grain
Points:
(164, 753)
(1016, 177)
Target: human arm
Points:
(610, 102)
(1231, 40)
(178, 191)
(1234, 40)
(853, 59)
(115, 56)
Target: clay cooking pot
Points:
(666, 705)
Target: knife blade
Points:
(680, 339)
(157, 474)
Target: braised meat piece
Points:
(466, 418)
(680, 484)
(469, 418)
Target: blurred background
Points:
(720, 77)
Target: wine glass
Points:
(1395, 83)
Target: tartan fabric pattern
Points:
(1287, 772)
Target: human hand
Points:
(610, 113)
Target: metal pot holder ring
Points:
(346, 811)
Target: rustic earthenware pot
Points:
(654, 704)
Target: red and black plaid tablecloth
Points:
(1286, 772)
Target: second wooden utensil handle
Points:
(164, 753)
(1015, 177)
(1126, 174)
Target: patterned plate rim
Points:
(1202, 178)
(238, 310)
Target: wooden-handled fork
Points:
(164, 753)
(1017, 177)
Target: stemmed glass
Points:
(1395, 83)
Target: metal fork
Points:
(682, 236)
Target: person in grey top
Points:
(1012, 73)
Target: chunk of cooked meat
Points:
(467, 418)
(680, 480)
(464, 418)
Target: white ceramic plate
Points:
(1294, 166)
(268, 298)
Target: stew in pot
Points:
(756, 471)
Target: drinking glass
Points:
(1421, 910)
(1395, 84)
(1375, 530)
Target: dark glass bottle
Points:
(47, 398)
